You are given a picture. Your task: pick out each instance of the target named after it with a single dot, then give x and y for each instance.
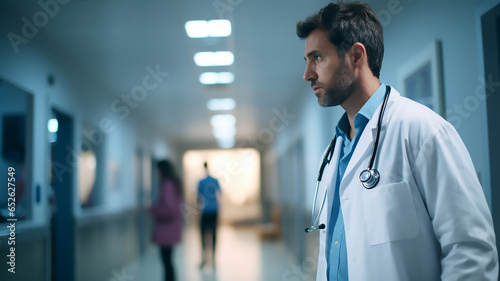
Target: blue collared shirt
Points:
(337, 253)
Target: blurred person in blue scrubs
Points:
(208, 192)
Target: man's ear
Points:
(358, 53)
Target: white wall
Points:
(453, 23)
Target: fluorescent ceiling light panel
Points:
(219, 28)
(197, 28)
(222, 58)
(223, 120)
(226, 77)
(221, 104)
(212, 28)
(224, 132)
(211, 78)
(223, 129)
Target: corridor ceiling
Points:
(113, 42)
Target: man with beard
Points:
(418, 212)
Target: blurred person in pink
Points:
(168, 215)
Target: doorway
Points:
(63, 166)
(490, 36)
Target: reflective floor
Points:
(241, 255)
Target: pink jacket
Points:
(168, 216)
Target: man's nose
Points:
(309, 74)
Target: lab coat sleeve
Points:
(456, 205)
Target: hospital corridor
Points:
(196, 140)
(254, 259)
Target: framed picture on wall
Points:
(421, 78)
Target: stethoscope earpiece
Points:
(369, 178)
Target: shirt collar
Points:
(364, 115)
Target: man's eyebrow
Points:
(311, 53)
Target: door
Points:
(63, 165)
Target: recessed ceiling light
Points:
(224, 132)
(211, 28)
(197, 28)
(224, 129)
(221, 104)
(219, 28)
(222, 58)
(211, 78)
(223, 120)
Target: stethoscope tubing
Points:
(326, 160)
(328, 157)
(379, 125)
(314, 225)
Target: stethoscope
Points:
(368, 177)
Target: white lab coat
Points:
(427, 219)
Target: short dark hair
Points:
(346, 24)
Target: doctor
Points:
(426, 218)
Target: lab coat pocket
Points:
(389, 213)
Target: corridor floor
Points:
(241, 256)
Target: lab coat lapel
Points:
(362, 152)
(364, 148)
(330, 179)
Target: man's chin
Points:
(322, 102)
(327, 104)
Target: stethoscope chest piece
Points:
(369, 178)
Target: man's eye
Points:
(317, 57)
